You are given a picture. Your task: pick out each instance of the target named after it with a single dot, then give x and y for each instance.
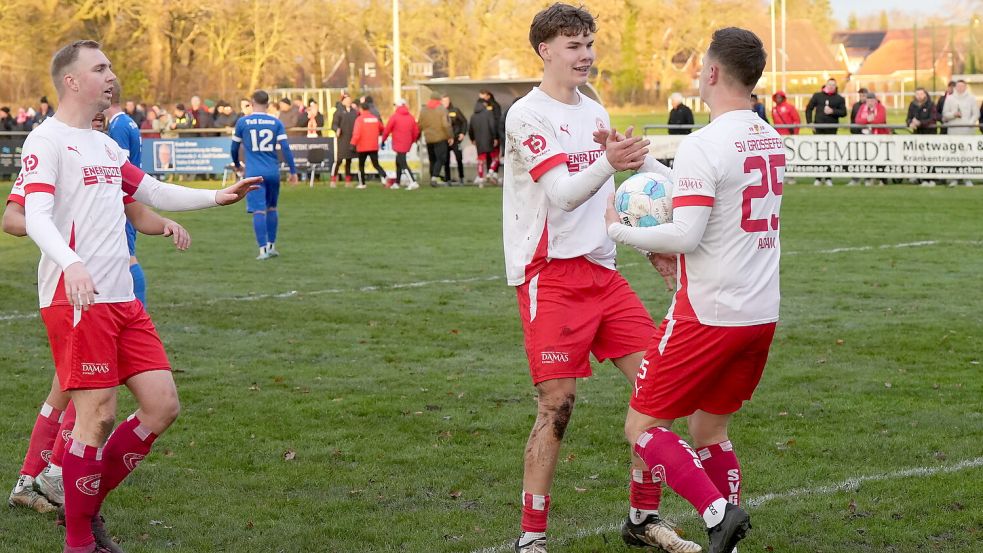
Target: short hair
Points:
(676, 96)
(44, 100)
(179, 107)
(65, 57)
(117, 92)
(261, 97)
(285, 100)
(312, 102)
(753, 95)
(560, 19)
(963, 81)
(364, 105)
(862, 90)
(368, 100)
(740, 52)
(952, 83)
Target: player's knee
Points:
(558, 410)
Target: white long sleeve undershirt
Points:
(682, 235)
(170, 197)
(568, 192)
(38, 209)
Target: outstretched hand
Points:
(237, 191)
(625, 152)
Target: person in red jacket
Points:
(405, 132)
(784, 113)
(872, 113)
(365, 139)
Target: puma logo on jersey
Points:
(565, 128)
(73, 149)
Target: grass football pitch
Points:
(368, 390)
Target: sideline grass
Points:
(405, 409)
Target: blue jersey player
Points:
(259, 133)
(125, 132)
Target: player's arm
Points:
(169, 197)
(682, 235)
(649, 165)
(14, 222)
(570, 191)
(693, 196)
(236, 141)
(149, 222)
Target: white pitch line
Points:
(850, 484)
(17, 316)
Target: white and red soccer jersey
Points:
(736, 164)
(542, 133)
(86, 171)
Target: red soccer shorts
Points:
(573, 308)
(104, 346)
(690, 366)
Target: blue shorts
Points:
(131, 238)
(266, 195)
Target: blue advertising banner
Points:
(189, 154)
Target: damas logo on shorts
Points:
(89, 485)
(551, 357)
(92, 369)
(46, 455)
(131, 460)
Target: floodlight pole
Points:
(784, 51)
(397, 73)
(774, 61)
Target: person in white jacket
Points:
(960, 116)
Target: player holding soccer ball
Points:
(572, 301)
(100, 334)
(708, 355)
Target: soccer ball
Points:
(644, 200)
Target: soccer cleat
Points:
(361, 186)
(412, 185)
(271, 251)
(655, 532)
(535, 546)
(24, 495)
(103, 539)
(263, 254)
(52, 487)
(724, 536)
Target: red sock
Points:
(675, 463)
(723, 468)
(42, 440)
(64, 435)
(128, 445)
(82, 471)
(645, 491)
(535, 512)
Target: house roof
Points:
(897, 52)
(856, 41)
(806, 50)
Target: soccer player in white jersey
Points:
(709, 353)
(74, 182)
(39, 485)
(572, 301)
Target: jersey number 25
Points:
(769, 181)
